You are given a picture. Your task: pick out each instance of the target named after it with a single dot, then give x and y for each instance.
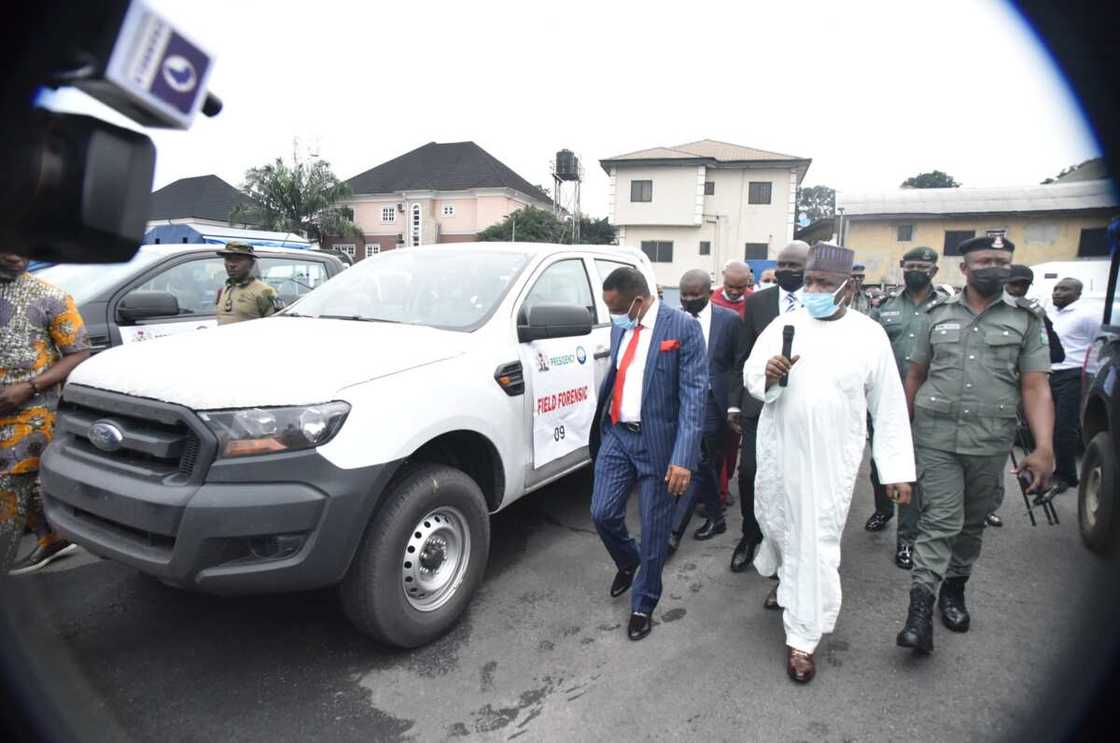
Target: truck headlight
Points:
(251, 431)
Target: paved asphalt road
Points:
(542, 654)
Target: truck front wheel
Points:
(1098, 496)
(423, 555)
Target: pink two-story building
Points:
(438, 193)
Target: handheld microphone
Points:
(787, 349)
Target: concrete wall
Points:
(735, 222)
(1037, 239)
(678, 193)
(686, 250)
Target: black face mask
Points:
(789, 280)
(916, 280)
(989, 281)
(694, 306)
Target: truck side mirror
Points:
(553, 321)
(146, 305)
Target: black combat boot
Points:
(954, 614)
(918, 631)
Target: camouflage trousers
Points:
(20, 508)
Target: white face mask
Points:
(767, 284)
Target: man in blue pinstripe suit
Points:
(649, 423)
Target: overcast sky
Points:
(873, 92)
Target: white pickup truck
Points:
(361, 437)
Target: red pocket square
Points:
(672, 345)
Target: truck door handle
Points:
(602, 353)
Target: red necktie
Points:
(627, 357)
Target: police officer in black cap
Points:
(978, 355)
(901, 315)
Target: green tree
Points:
(596, 231)
(530, 225)
(816, 203)
(302, 197)
(1065, 171)
(932, 179)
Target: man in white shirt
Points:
(1077, 326)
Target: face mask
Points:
(734, 299)
(694, 306)
(916, 280)
(989, 281)
(789, 280)
(624, 320)
(767, 284)
(821, 305)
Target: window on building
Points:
(759, 192)
(756, 251)
(905, 233)
(705, 247)
(449, 210)
(416, 226)
(1093, 243)
(954, 238)
(658, 251)
(348, 248)
(641, 190)
(388, 215)
(372, 249)
(709, 188)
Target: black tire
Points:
(1098, 497)
(373, 594)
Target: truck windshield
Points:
(451, 289)
(84, 281)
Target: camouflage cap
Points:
(989, 242)
(237, 247)
(920, 254)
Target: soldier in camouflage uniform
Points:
(977, 355)
(42, 339)
(900, 315)
(244, 297)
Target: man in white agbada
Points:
(811, 437)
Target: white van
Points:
(361, 437)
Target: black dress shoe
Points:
(743, 555)
(771, 601)
(42, 556)
(674, 542)
(993, 519)
(640, 626)
(904, 555)
(917, 633)
(622, 581)
(954, 614)
(878, 521)
(710, 529)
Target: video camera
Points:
(76, 188)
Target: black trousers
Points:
(748, 467)
(1065, 388)
(705, 483)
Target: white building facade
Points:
(701, 204)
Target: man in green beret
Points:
(244, 297)
(976, 356)
(900, 314)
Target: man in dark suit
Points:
(743, 410)
(720, 327)
(648, 426)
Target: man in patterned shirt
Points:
(42, 339)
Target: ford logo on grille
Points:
(106, 436)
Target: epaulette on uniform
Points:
(1032, 306)
(937, 302)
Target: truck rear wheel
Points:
(1098, 495)
(423, 555)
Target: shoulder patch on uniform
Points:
(1031, 306)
